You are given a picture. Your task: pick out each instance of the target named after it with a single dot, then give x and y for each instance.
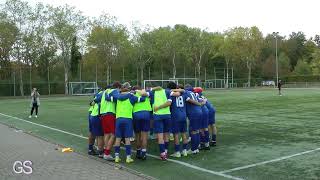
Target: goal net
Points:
(192, 81)
(83, 88)
(154, 83)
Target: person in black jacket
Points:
(279, 87)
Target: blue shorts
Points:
(195, 123)
(178, 127)
(212, 117)
(124, 128)
(141, 121)
(96, 127)
(162, 125)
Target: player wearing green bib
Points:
(91, 138)
(124, 129)
(108, 117)
(141, 123)
(161, 101)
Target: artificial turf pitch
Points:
(254, 126)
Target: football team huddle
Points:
(120, 112)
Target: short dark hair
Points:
(136, 88)
(116, 84)
(172, 85)
(180, 86)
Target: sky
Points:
(283, 16)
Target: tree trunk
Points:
(66, 79)
(108, 68)
(141, 76)
(21, 81)
(249, 73)
(174, 70)
(227, 82)
(110, 74)
(137, 76)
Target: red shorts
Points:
(108, 123)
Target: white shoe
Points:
(108, 157)
(36, 116)
(185, 153)
(30, 116)
(176, 154)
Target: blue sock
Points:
(128, 150)
(166, 145)
(193, 142)
(214, 137)
(185, 146)
(90, 147)
(177, 147)
(198, 140)
(143, 152)
(117, 150)
(202, 138)
(206, 136)
(138, 152)
(161, 146)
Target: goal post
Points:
(192, 81)
(154, 83)
(83, 88)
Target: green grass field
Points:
(254, 126)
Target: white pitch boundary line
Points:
(269, 161)
(156, 157)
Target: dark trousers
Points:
(34, 107)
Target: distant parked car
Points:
(268, 83)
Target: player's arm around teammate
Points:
(124, 129)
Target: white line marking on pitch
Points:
(269, 161)
(171, 160)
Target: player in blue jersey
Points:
(194, 113)
(212, 124)
(204, 132)
(179, 118)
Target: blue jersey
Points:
(192, 109)
(178, 107)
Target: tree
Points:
(109, 40)
(18, 12)
(315, 63)
(8, 36)
(284, 64)
(252, 48)
(65, 24)
(302, 68)
(75, 57)
(295, 46)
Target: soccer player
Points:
(95, 123)
(179, 119)
(212, 124)
(161, 101)
(279, 87)
(35, 102)
(194, 113)
(91, 138)
(124, 129)
(141, 124)
(204, 131)
(108, 117)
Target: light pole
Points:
(275, 34)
